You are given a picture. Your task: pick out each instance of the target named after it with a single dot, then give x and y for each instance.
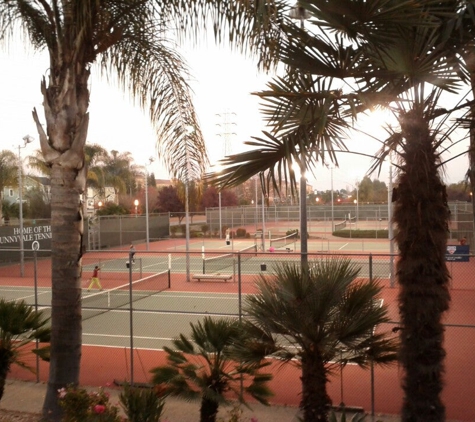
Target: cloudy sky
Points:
(223, 82)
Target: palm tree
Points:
(8, 172)
(384, 53)
(38, 163)
(20, 325)
(203, 367)
(95, 155)
(128, 40)
(317, 319)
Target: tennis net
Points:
(248, 253)
(120, 298)
(282, 242)
(340, 226)
(218, 263)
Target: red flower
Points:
(99, 408)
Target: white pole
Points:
(220, 216)
(27, 139)
(187, 230)
(147, 237)
(357, 204)
(390, 225)
(20, 197)
(256, 215)
(333, 217)
(263, 225)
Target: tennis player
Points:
(95, 279)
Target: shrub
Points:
(205, 228)
(173, 230)
(142, 404)
(241, 232)
(362, 234)
(81, 406)
(292, 231)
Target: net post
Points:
(239, 287)
(169, 270)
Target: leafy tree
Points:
(211, 198)
(372, 190)
(8, 172)
(9, 210)
(168, 201)
(128, 41)
(20, 324)
(458, 192)
(203, 367)
(318, 320)
(393, 55)
(151, 180)
(111, 208)
(195, 195)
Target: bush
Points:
(205, 228)
(241, 232)
(292, 231)
(173, 230)
(362, 234)
(142, 404)
(81, 406)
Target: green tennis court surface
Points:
(156, 319)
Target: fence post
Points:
(35, 277)
(372, 363)
(131, 322)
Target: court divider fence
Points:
(146, 304)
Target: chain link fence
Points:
(147, 303)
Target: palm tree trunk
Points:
(315, 400)
(66, 322)
(471, 152)
(422, 216)
(208, 410)
(5, 362)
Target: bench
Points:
(212, 276)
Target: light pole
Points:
(357, 204)
(26, 139)
(303, 214)
(390, 224)
(220, 216)
(333, 216)
(147, 235)
(136, 203)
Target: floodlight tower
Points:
(226, 133)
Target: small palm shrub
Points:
(204, 367)
(142, 404)
(20, 325)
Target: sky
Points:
(222, 84)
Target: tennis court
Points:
(161, 313)
(106, 314)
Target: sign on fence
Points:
(457, 253)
